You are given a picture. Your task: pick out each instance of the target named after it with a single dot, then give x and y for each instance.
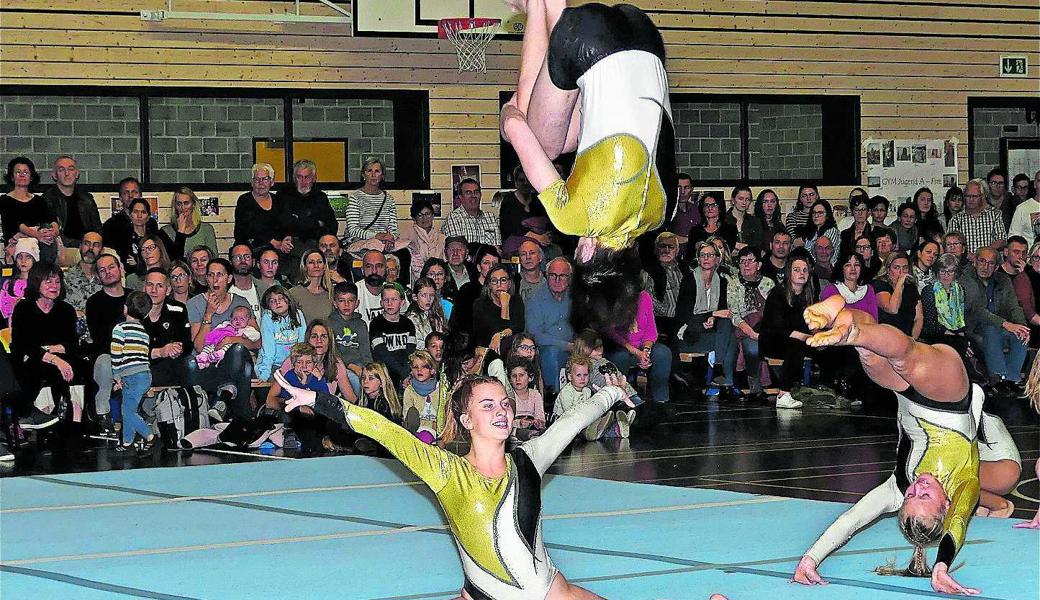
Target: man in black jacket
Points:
(309, 214)
(73, 207)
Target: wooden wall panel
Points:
(914, 65)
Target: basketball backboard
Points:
(418, 18)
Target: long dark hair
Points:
(436, 314)
(809, 291)
(605, 290)
(810, 230)
(294, 309)
(773, 222)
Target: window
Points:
(208, 138)
(1003, 132)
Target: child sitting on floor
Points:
(236, 326)
(302, 355)
(528, 405)
(613, 424)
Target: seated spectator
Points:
(872, 265)
(879, 217)
(712, 207)
(749, 228)
(186, 230)
(426, 312)
(120, 231)
(746, 298)
(953, 204)
(498, 313)
(26, 256)
(393, 337)
(905, 227)
(370, 291)
(180, 282)
(46, 352)
(469, 221)
(808, 194)
(824, 270)
(378, 394)
(235, 327)
(436, 270)
(953, 243)
(199, 259)
(929, 224)
(130, 369)
(340, 265)
(522, 217)
(704, 317)
(727, 267)
(898, 301)
(531, 275)
(767, 209)
(426, 399)
(784, 330)
(307, 211)
(922, 266)
(313, 289)
(995, 320)
(72, 207)
(943, 307)
(425, 238)
(638, 348)
(858, 228)
(260, 215)
(371, 217)
(104, 311)
(81, 280)
(350, 332)
(243, 283)
(884, 242)
(852, 286)
(1027, 289)
(268, 264)
(435, 345)
(228, 382)
(485, 258)
(547, 318)
(1014, 256)
(687, 212)
(528, 403)
(776, 261)
(282, 324)
(997, 195)
(1026, 220)
(523, 346)
(578, 389)
(24, 214)
(981, 224)
(821, 224)
(393, 269)
(1021, 189)
(168, 329)
(152, 255)
(461, 270)
(857, 196)
(662, 279)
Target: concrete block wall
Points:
(785, 141)
(101, 132)
(707, 139)
(368, 125)
(991, 124)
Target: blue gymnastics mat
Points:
(363, 528)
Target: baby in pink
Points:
(236, 326)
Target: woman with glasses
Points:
(860, 226)
(180, 281)
(499, 312)
(898, 300)
(1027, 288)
(153, 256)
(186, 229)
(943, 307)
(712, 208)
(872, 265)
(425, 238)
(259, 219)
(821, 224)
(747, 299)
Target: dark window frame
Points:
(411, 128)
(842, 149)
(987, 102)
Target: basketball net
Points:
(470, 38)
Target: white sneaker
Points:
(785, 400)
(624, 421)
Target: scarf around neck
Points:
(949, 305)
(850, 296)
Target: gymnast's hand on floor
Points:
(299, 397)
(1034, 524)
(806, 574)
(944, 584)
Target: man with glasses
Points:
(548, 319)
(995, 321)
(981, 224)
(469, 221)
(998, 196)
(663, 279)
(243, 283)
(104, 311)
(72, 206)
(309, 213)
(1026, 221)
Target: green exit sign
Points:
(1013, 66)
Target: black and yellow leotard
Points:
(941, 439)
(496, 522)
(620, 185)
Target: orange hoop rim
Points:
(458, 24)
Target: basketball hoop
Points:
(470, 38)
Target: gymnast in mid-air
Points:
(592, 79)
(491, 497)
(949, 453)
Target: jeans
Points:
(660, 369)
(719, 338)
(134, 388)
(994, 341)
(103, 379)
(751, 363)
(236, 369)
(553, 358)
(355, 383)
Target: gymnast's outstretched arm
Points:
(544, 449)
(430, 463)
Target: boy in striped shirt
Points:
(131, 370)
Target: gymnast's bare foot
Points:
(822, 314)
(999, 513)
(839, 335)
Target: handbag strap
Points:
(378, 212)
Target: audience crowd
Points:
(172, 337)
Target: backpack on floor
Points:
(180, 411)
